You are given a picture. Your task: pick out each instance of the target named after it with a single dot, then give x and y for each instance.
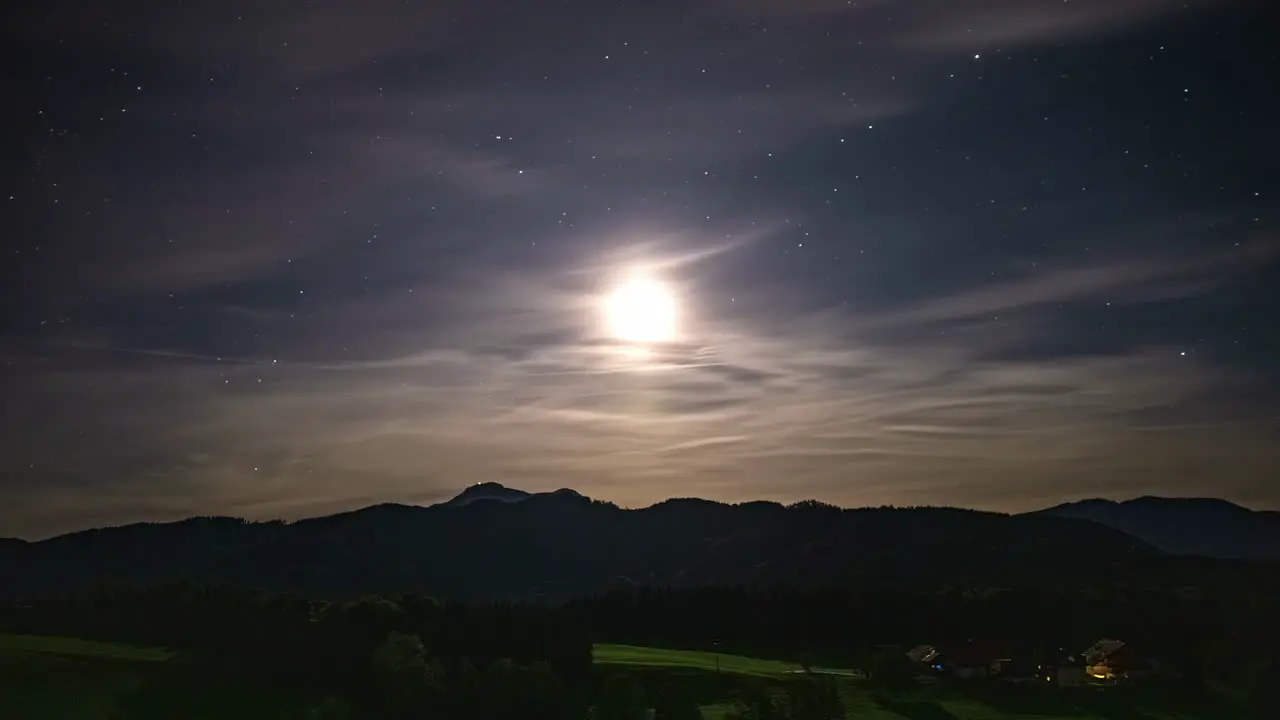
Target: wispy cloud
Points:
(953, 26)
(701, 443)
(1005, 23)
(1120, 282)
(297, 42)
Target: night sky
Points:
(280, 259)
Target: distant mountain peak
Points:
(1187, 526)
(488, 491)
(1160, 500)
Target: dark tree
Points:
(1264, 687)
(890, 667)
(757, 703)
(622, 698)
(675, 702)
(814, 698)
(399, 676)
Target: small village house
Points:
(924, 655)
(1115, 660)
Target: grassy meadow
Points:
(650, 657)
(76, 648)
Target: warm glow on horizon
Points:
(642, 310)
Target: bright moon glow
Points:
(641, 310)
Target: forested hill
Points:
(559, 545)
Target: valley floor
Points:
(937, 701)
(50, 677)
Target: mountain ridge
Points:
(1094, 510)
(1209, 527)
(562, 544)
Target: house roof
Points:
(1104, 649)
(922, 653)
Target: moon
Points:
(642, 309)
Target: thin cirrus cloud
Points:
(288, 178)
(945, 25)
(1124, 281)
(995, 24)
(294, 42)
(258, 214)
(263, 183)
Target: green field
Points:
(55, 678)
(73, 647)
(663, 658)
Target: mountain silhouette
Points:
(504, 543)
(1187, 526)
(488, 491)
(497, 492)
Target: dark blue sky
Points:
(278, 261)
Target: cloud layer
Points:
(283, 261)
(800, 409)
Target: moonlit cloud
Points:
(739, 413)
